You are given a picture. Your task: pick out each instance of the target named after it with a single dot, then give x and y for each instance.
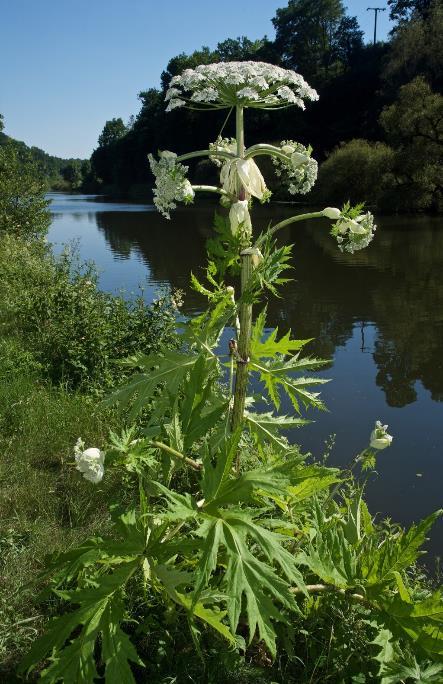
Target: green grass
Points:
(45, 505)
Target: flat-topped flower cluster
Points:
(249, 84)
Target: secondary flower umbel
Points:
(228, 84)
(352, 229)
(171, 184)
(298, 171)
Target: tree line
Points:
(57, 173)
(380, 109)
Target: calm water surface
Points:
(378, 315)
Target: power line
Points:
(376, 10)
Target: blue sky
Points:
(67, 67)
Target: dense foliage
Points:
(57, 173)
(60, 341)
(77, 334)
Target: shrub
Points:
(23, 207)
(357, 170)
(76, 332)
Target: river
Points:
(377, 314)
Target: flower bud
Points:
(379, 437)
(288, 149)
(331, 213)
(239, 216)
(298, 158)
(251, 177)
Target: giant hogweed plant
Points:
(235, 550)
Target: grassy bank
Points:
(61, 341)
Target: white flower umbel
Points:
(248, 84)
(298, 171)
(240, 218)
(379, 437)
(89, 462)
(352, 230)
(171, 184)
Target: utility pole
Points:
(376, 10)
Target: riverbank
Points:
(60, 345)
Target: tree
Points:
(357, 170)
(416, 49)
(414, 125)
(403, 10)
(112, 131)
(313, 35)
(239, 49)
(23, 207)
(178, 64)
(72, 173)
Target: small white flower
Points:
(248, 93)
(379, 437)
(90, 463)
(240, 218)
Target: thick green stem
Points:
(244, 345)
(239, 131)
(245, 312)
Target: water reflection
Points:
(396, 284)
(377, 314)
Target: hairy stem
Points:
(177, 455)
(245, 312)
(244, 347)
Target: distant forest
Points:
(59, 174)
(377, 129)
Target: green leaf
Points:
(168, 370)
(311, 480)
(276, 375)
(378, 564)
(264, 427)
(117, 649)
(269, 347)
(384, 642)
(74, 662)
